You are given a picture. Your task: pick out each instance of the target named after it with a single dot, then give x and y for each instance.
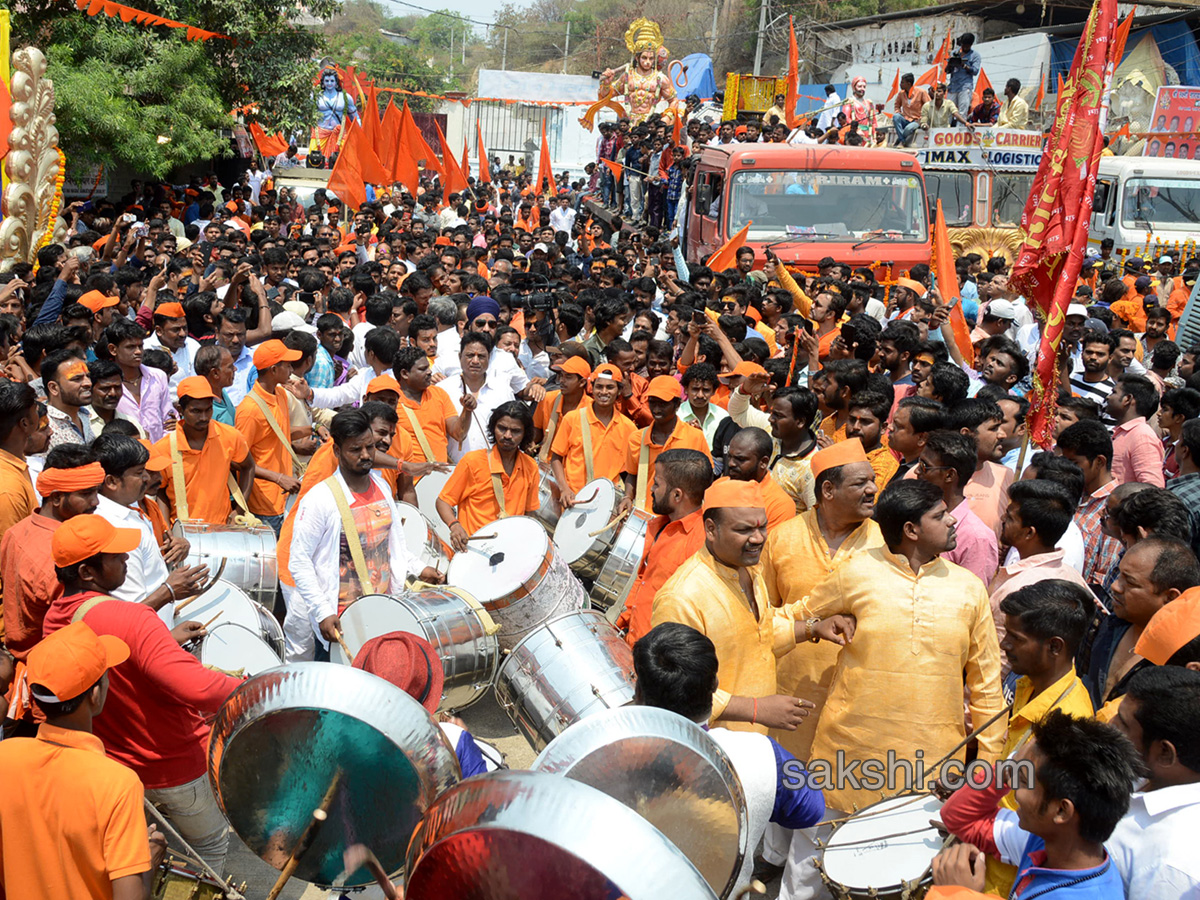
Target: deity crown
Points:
(643, 35)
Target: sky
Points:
(479, 10)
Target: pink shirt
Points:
(987, 492)
(1137, 454)
(977, 549)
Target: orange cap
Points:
(840, 454)
(69, 661)
(746, 367)
(609, 371)
(912, 285)
(383, 383)
(725, 493)
(96, 301)
(170, 310)
(752, 313)
(1170, 628)
(196, 387)
(158, 462)
(663, 387)
(574, 365)
(441, 241)
(82, 537)
(271, 352)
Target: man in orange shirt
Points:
(573, 374)
(632, 399)
(206, 454)
(667, 431)
(426, 411)
(262, 417)
(749, 459)
(74, 821)
(869, 412)
(18, 421)
(69, 485)
(680, 479)
(579, 456)
(492, 484)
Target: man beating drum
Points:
(343, 543)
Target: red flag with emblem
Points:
(1059, 209)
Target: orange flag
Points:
(895, 87)
(373, 172)
(677, 131)
(453, 180)
(931, 77)
(545, 176)
(268, 144)
(411, 133)
(1121, 36)
(370, 119)
(1041, 93)
(346, 180)
(981, 84)
(485, 172)
(466, 160)
(943, 54)
(792, 98)
(613, 166)
(727, 255)
(398, 155)
(947, 283)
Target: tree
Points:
(433, 31)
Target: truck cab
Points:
(1146, 205)
(861, 206)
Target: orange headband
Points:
(64, 481)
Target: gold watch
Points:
(810, 628)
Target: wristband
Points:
(754, 715)
(167, 585)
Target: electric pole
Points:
(566, 48)
(762, 30)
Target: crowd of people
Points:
(853, 548)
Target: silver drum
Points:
(567, 669)
(427, 490)
(247, 552)
(620, 569)
(541, 837)
(581, 535)
(450, 619)
(549, 509)
(422, 538)
(515, 572)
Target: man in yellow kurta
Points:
(721, 593)
(924, 628)
(1044, 625)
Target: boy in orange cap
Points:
(573, 374)
(579, 456)
(82, 829)
(666, 431)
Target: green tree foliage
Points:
(432, 32)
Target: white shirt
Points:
(146, 569)
(358, 353)
(242, 367)
(562, 219)
(1154, 845)
(449, 344)
(504, 369)
(184, 357)
(828, 116)
(1071, 544)
(490, 396)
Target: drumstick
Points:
(482, 537)
(319, 815)
(615, 520)
(213, 619)
(342, 641)
(200, 593)
(754, 887)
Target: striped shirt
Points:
(1096, 391)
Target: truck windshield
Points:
(827, 206)
(1168, 204)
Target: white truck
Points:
(1148, 206)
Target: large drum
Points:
(422, 538)
(248, 554)
(516, 573)
(427, 490)
(567, 669)
(535, 836)
(549, 509)
(620, 568)
(226, 604)
(581, 535)
(237, 650)
(312, 736)
(452, 620)
(884, 851)
(670, 772)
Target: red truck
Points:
(861, 206)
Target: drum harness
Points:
(181, 503)
(551, 429)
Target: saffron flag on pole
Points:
(931, 77)
(269, 145)
(373, 172)
(453, 179)
(613, 166)
(485, 172)
(370, 119)
(419, 147)
(948, 287)
(400, 159)
(895, 86)
(1059, 209)
(726, 256)
(466, 160)
(545, 176)
(792, 97)
(1041, 94)
(346, 181)
(982, 83)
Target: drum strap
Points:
(416, 427)
(643, 472)
(497, 472)
(551, 429)
(274, 423)
(351, 532)
(585, 429)
(181, 504)
(489, 624)
(87, 606)
(1029, 733)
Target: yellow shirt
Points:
(796, 560)
(898, 685)
(1067, 694)
(706, 595)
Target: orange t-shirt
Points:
(205, 471)
(431, 414)
(470, 488)
(635, 406)
(89, 828)
(609, 446)
(402, 448)
(266, 498)
(780, 505)
(30, 585)
(668, 546)
(684, 437)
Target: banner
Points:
(987, 147)
(1173, 125)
